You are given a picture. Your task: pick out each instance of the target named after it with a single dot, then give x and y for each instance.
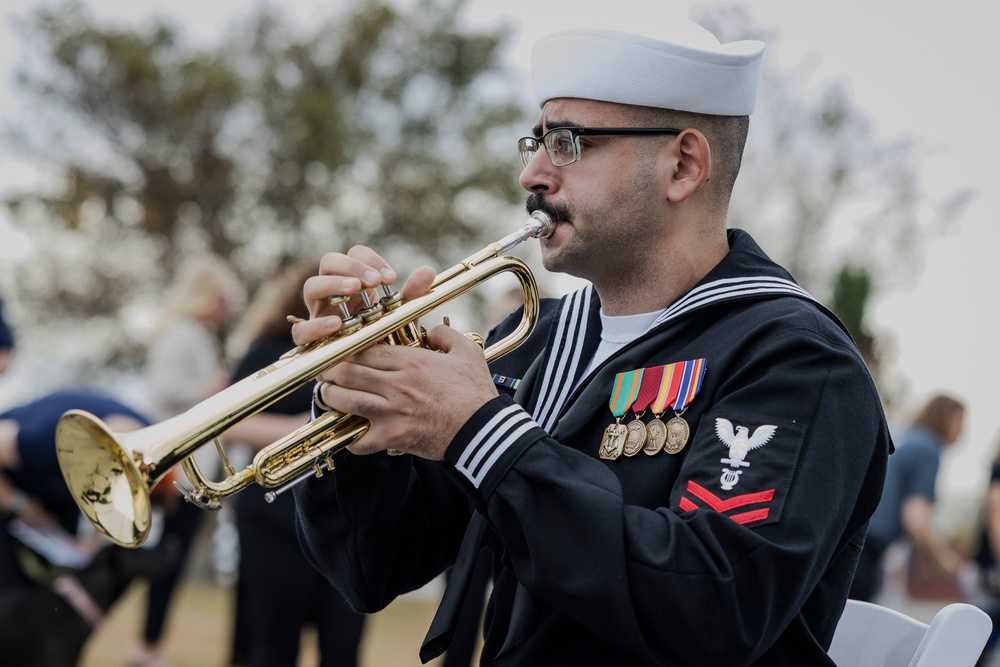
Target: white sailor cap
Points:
(684, 68)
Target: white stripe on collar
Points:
(563, 364)
(728, 288)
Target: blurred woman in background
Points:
(185, 365)
(279, 592)
(906, 509)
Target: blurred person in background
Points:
(6, 341)
(279, 593)
(32, 488)
(185, 365)
(184, 362)
(906, 509)
(59, 578)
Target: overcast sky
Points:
(919, 69)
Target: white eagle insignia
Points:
(740, 443)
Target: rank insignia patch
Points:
(740, 443)
(753, 506)
(740, 465)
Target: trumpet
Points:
(111, 475)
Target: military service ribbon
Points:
(666, 392)
(622, 397)
(638, 435)
(690, 374)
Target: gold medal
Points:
(657, 436)
(635, 437)
(613, 441)
(678, 433)
(623, 395)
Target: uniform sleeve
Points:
(695, 582)
(380, 526)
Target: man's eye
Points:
(564, 144)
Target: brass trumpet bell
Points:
(107, 484)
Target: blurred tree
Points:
(389, 124)
(381, 125)
(840, 207)
(851, 292)
(819, 188)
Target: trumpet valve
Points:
(351, 323)
(390, 300)
(371, 311)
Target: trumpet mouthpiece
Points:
(541, 221)
(539, 225)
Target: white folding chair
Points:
(869, 635)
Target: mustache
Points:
(537, 202)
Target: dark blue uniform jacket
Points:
(642, 560)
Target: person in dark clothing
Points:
(679, 465)
(31, 483)
(279, 592)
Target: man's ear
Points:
(689, 163)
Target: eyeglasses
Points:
(563, 143)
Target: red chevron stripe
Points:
(752, 515)
(741, 518)
(720, 505)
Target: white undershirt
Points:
(617, 332)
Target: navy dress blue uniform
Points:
(643, 560)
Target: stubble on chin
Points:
(562, 253)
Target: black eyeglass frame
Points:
(528, 146)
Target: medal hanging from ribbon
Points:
(666, 392)
(638, 435)
(622, 397)
(689, 374)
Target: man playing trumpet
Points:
(609, 545)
